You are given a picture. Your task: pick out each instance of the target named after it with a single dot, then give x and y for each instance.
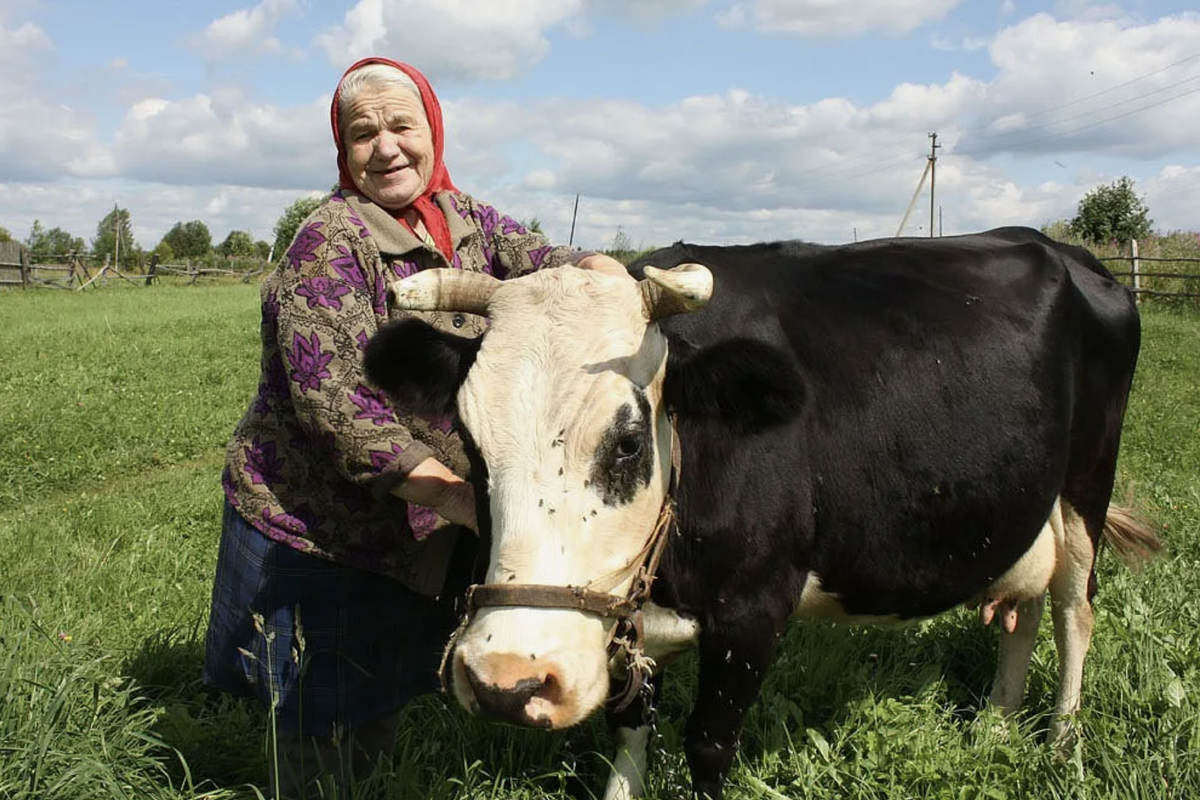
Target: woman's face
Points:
(389, 147)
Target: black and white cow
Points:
(876, 433)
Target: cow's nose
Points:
(517, 704)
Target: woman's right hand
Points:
(433, 485)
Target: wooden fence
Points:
(78, 271)
(1179, 281)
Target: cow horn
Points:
(444, 290)
(680, 290)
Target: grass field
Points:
(115, 407)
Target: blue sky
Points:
(706, 120)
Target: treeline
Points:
(189, 241)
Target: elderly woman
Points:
(345, 537)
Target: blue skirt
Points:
(329, 647)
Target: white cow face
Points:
(564, 403)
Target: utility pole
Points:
(575, 213)
(933, 148)
(913, 202)
(928, 173)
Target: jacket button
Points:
(458, 320)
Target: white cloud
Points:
(224, 138)
(244, 33)
(40, 137)
(452, 40)
(1091, 86)
(724, 167)
(826, 18)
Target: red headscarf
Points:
(439, 180)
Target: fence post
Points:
(1137, 277)
(153, 268)
(26, 269)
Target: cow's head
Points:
(562, 400)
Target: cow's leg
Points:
(631, 733)
(1016, 649)
(732, 668)
(1071, 610)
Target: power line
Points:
(1001, 136)
(1129, 82)
(1098, 123)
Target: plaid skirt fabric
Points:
(328, 646)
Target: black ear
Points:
(745, 384)
(418, 366)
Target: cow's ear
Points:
(418, 366)
(745, 384)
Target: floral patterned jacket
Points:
(313, 460)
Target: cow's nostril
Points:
(509, 704)
(552, 689)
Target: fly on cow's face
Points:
(624, 460)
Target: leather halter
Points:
(628, 632)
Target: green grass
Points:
(115, 407)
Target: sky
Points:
(710, 121)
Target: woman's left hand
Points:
(606, 264)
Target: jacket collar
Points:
(395, 239)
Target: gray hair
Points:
(372, 76)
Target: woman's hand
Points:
(433, 485)
(602, 263)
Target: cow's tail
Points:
(1133, 538)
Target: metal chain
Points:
(675, 785)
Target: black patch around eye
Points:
(624, 462)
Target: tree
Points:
(289, 223)
(237, 243)
(5, 236)
(164, 252)
(534, 225)
(1112, 213)
(189, 239)
(45, 245)
(114, 238)
(262, 249)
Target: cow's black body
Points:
(949, 391)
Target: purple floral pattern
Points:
(371, 406)
(403, 267)
(380, 295)
(310, 460)
(537, 256)
(356, 221)
(509, 226)
(380, 459)
(346, 264)
(284, 521)
(322, 292)
(421, 521)
(262, 400)
(304, 248)
(309, 362)
(263, 463)
(488, 218)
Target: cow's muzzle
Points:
(517, 702)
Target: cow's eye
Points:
(628, 446)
